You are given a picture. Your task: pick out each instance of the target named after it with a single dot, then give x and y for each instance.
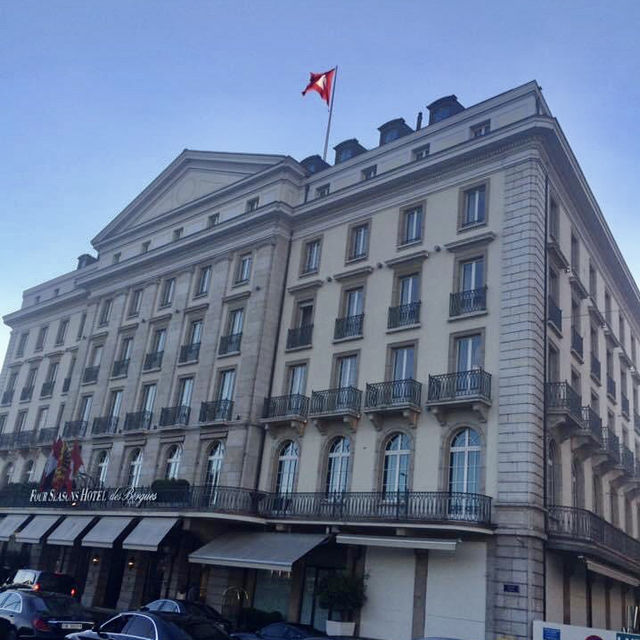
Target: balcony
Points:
(66, 383)
(299, 337)
(393, 397)
(611, 445)
(90, 374)
(348, 327)
(592, 425)
(7, 396)
(470, 301)
(74, 429)
(627, 461)
(564, 409)
(230, 344)
(120, 368)
(554, 314)
(576, 343)
(595, 368)
(24, 439)
(624, 405)
(584, 533)
(47, 436)
(104, 425)
(611, 387)
(341, 403)
(47, 388)
(138, 421)
(26, 393)
(216, 411)
(174, 416)
(153, 360)
(289, 410)
(463, 389)
(6, 441)
(189, 352)
(404, 315)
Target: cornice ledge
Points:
(312, 284)
(464, 243)
(161, 318)
(353, 273)
(416, 256)
(195, 308)
(234, 297)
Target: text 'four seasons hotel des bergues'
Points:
(417, 364)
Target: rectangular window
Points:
(213, 220)
(11, 382)
(62, 331)
(411, 225)
(126, 347)
(226, 383)
(403, 363)
(52, 374)
(553, 364)
(41, 421)
(144, 247)
(480, 129)
(471, 274)
(148, 397)
(252, 205)
(3, 422)
(236, 321)
(168, 291)
(593, 282)
(83, 321)
(322, 191)
(97, 355)
(468, 353)
(304, 313)
(195, 332)
(554, 220)
(204, 279)
(347, 371)
(409, 289)
(177, 233)
(22, 343)
(42, 337)
(60, 414)
(159, 339)
(354, 302)
(185, 389)
(85, 408)
(369, 172)
(621, 330)
(115, 403)
(421, 152)
(21, 418)
(359, 242)
(105, 313)
(135, 302)
(31, 377)
(607, 306)
(575, 254)
(474, 207)
(297, 379)
(311, 257)
(244, 268)
(116, 258)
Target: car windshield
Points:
(197, 629)
(59, 606)
(56, 582)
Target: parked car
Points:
(156, 625)
(43, 581)
(189, 607)
(25, 613)
(282, 631)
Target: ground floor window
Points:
(311, 613)
(273, 589)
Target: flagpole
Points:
(333, 95)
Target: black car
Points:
(157, 625)
(189, 607)
(28, 614)
(282, 631)
(43, 581)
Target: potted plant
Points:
(342, 594)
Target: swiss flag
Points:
(322, 83)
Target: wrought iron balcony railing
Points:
(562, 396)
(66, 383)
(153, 360)
(403, 315)
(611, 444)
(624, 404)
(90, 374)
(576, 342)
(468, 301)
(554, 313)
(611, 386)
(47, 388)
(26, 393)
(189, 352)
(627, 461)
(24, 439)
(6, 441)
(170, 416)
(348, 327)
(104, 425)
(230, 343)
(138, 421)
(283, 406)
(120, 367)
(596, 368)
(299, 336)
(393, 394)
(74, 429)
(592, 423)
(7, 396)
(47, 436)
(459, 386)
(216, 411)
(336, 401)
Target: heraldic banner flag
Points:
(62, 466)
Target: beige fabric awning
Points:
(36, 529)
(259, 550)
(69, 530)
(10, 524)
(106, 532)
(148, 534)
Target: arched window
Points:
(135, 468)
(553, 474)
(102, 465)
(174, 457)
(27, 471)
(395, 477)
(597, 494)
(8, 474)
(287, 467)
(464, 462)
(338, 465)
(214, 464)
(577, 485)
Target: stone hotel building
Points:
(417, 364)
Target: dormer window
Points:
(252, 205)
(480, 129)
(322, 191)
(393, 130)
(444, 108)
(347, 150)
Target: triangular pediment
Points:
(192, 175)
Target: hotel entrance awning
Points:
(9, 525)
(260, 550)
(106, 532)
(69, 530)
(36, 529)
(148, 534)
(398, 542)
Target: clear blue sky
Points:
(97, 98)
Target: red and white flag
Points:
(322, 83)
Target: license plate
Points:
(71, 625)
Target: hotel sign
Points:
(120, 495)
